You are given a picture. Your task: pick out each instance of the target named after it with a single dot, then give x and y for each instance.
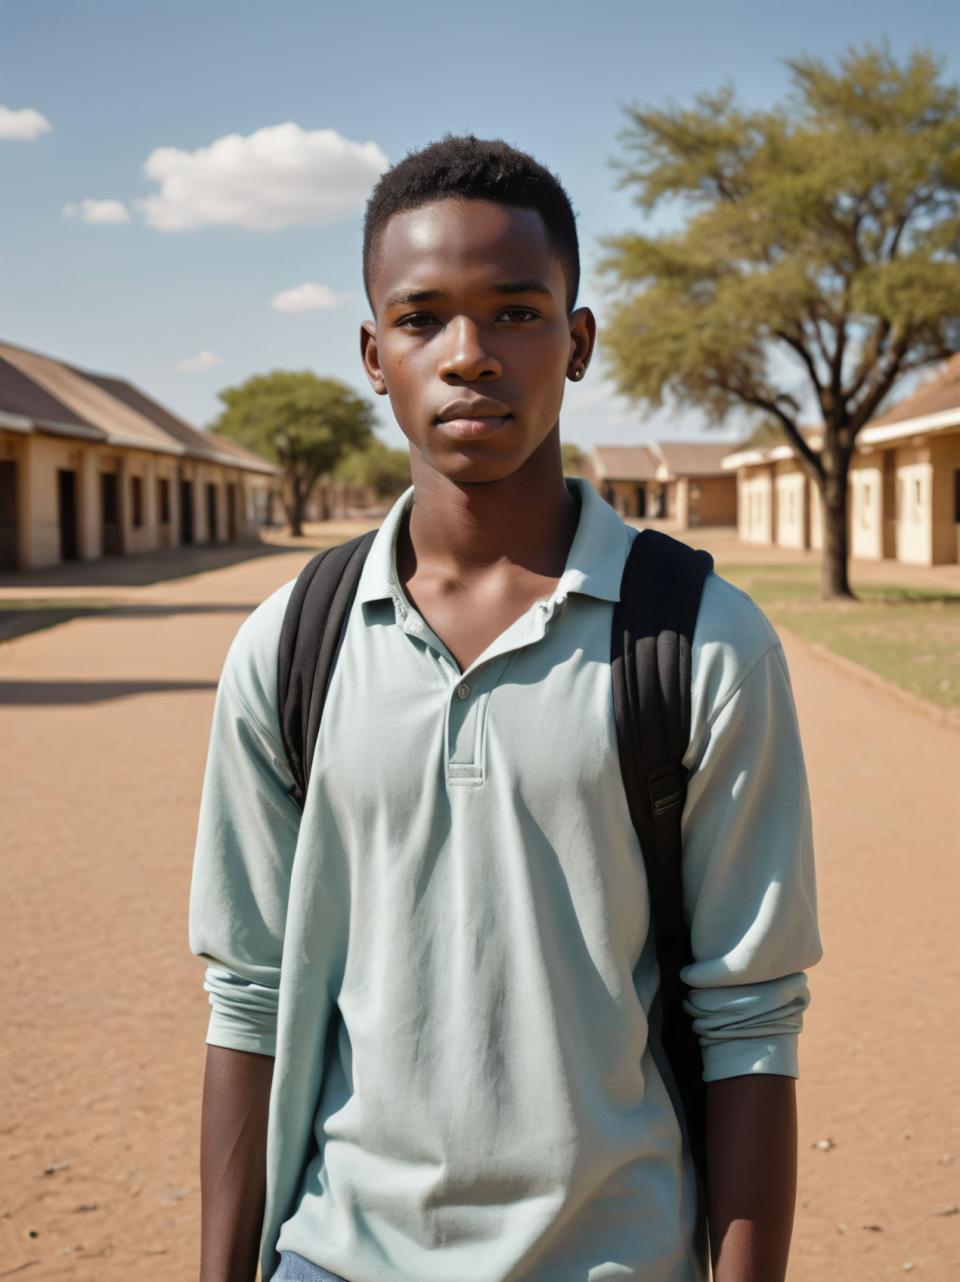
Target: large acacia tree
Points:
(304, 423)
(826, 228)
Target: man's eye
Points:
(518, 314)
(418, 320)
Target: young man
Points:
(430, 1057)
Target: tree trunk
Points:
(834, 580)
(295, 508)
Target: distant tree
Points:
(572, 459)
(826, 228)
(303, 423)
(385, 470)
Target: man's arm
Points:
(751, 1176)
(750, 894)
(233, 1141)
(246, 839)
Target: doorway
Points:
(186, 512)
(110, 514)
(67, 512)
(8, 515)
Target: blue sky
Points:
(119, 81)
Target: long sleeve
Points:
(749, 882)
(246, 838)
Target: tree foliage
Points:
(304, 423)
(385, 470)
(573, 459)
(826, 228)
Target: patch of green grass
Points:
(909, 636)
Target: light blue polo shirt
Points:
(450, 953)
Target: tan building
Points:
(776, 501)
(904, 483)
(625, 475)
(682, 483)
(90, 466)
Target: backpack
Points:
(650, 655)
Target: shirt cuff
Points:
(744, 1055)
(224, 1031)
(243, 1015)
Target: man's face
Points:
(472, 339)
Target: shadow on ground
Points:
(58, 693)
(19, 615)
(151, 567)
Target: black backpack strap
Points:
(650, 653)
(309, 641)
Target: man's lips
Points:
(474, 418)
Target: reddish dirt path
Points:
(105, 732)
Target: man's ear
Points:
(583, 337)
(371, 357)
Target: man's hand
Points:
(751, 1176)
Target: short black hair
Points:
(469, 168)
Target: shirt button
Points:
(463, 691)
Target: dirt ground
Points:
(105, 724)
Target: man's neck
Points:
(525, 521)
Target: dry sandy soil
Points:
(105, 723)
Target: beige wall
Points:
(42, 457)
(867, 514)
(623, 496)
(39, 457)
(756, 504)
(815, 516)
(713, 500)
(913, 494)
(791, 512)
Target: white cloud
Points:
(276, 177)
(307, 298)
(24, 124)
(98, 211)
(204, 360)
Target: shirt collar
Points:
(594, 563)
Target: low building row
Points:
(904, 484)
(91, 466)
(680, 483)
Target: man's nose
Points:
(466, 359)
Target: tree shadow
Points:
(30, 693)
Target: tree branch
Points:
(871, 402)
(790, 427)
(801, 350)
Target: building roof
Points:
(747, 455)
(691, 458)
(219, 449)
(38, 393)
(933, 407)
(938, 394)
(623, 463)
(24, 403)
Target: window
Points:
(917, 497)
(136, 484)
(956, 494)
(163, 486)
(865, 505)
